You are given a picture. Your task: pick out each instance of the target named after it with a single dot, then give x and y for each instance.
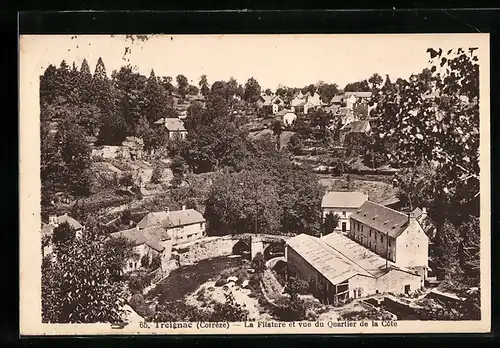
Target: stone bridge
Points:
(270, 246)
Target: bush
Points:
(155, 262)
(145, 261)
(156, 175)
(138, 282)
(259, 263)
(290, 309)
(297, 286)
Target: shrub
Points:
(155, 262)
(145, 261)
(156, 175)
(138, 282)
(290, 309)
(297, 286)
(259, 263)
(139, 305)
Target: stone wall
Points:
(206, 248)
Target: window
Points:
(201, 225)
(381, 237)
(135, 264)
(130, 265)
(407, 289)
(344, 213)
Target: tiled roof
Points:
(380, 218)
(337, 99)
(174, 124)
(359, 94)
(171, 219)
(357, 127)
(284, 112)
(343, 200)
(149, 236)
(325, 259)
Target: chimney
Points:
(183, 207)
(168, 210)
(424, 212)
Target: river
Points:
(187, 279)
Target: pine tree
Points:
(155, 99)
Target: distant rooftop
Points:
(343, 200)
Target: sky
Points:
(273, 60)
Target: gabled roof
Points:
(48, 228)
(150, 236)
(171, 219)
(357, 127)
(343, 200)
(325, 259)
(337, 99)
(380, 218)
(284, 112)
(174, 124)
(364, 257)
(359, 94)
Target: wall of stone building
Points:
(412, 247)
(396, 280)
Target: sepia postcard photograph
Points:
(254, 184)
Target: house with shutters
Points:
(397, 236)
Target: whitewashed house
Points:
(343, 204)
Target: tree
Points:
(447, 247)
(132, 98)
(193, 90)
(375, 81)
(360, 86)
(195, 116)
(156, 175)
(330, 223)
(244, 202)
(145, 261)
(62, 237)
(259, 263)
(252, 90)
(154, 138)
(77, 288)
(204, 89)
(328, 91)
(182, 85)
(156, 99)
(268, 92)
(415, 185)
(436, 119)
(229, 311)
(295, 145)
(119, 250)
(75, 154)
(277, 130)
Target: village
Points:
(230, 202)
